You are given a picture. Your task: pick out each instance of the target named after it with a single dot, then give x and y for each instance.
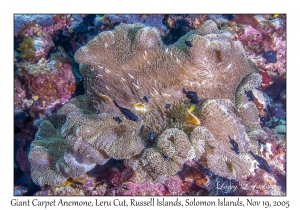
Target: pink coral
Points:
(59, 22)
(144, 189)
(258, 35)
(261, 183)
(43, 45)
(53, 86)
(117, 177)
(34, 48)
(50, 80)
(174, 185)
(274, 150)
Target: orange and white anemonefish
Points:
(105, 97)
(192, 118)
(139, 106)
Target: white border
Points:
(150, 7)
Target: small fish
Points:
(275, 15)
(263, 121)
(188, 43)
(168, 106)
(204, 169)
(118, 119)
(174, 119)
(192, 108)
(105, 97)
(152, 135)
(146, 99)
(142, 128)
(139, 106)
(270, 56)
(277, 111)
(192, 118)
(262, 163)
(166, 157)
(234, 145)
(250, 95)
(129, 115)
(192, 96)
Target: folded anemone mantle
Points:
(131, 62)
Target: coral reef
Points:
(262, 183)
(21, 20)
(148, 20)
(19, 91)
(49, 80)
(260, 34)
(193, 176)
(274, 150)
(35, 25)
(280, 130)
(131, 62)
(35, 48)
(20, 190)
(145, 189)
(190, 21)
(154, 104)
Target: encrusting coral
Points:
(125, 65)
(50, 80)
(35, 48)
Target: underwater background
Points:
(150, 104)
